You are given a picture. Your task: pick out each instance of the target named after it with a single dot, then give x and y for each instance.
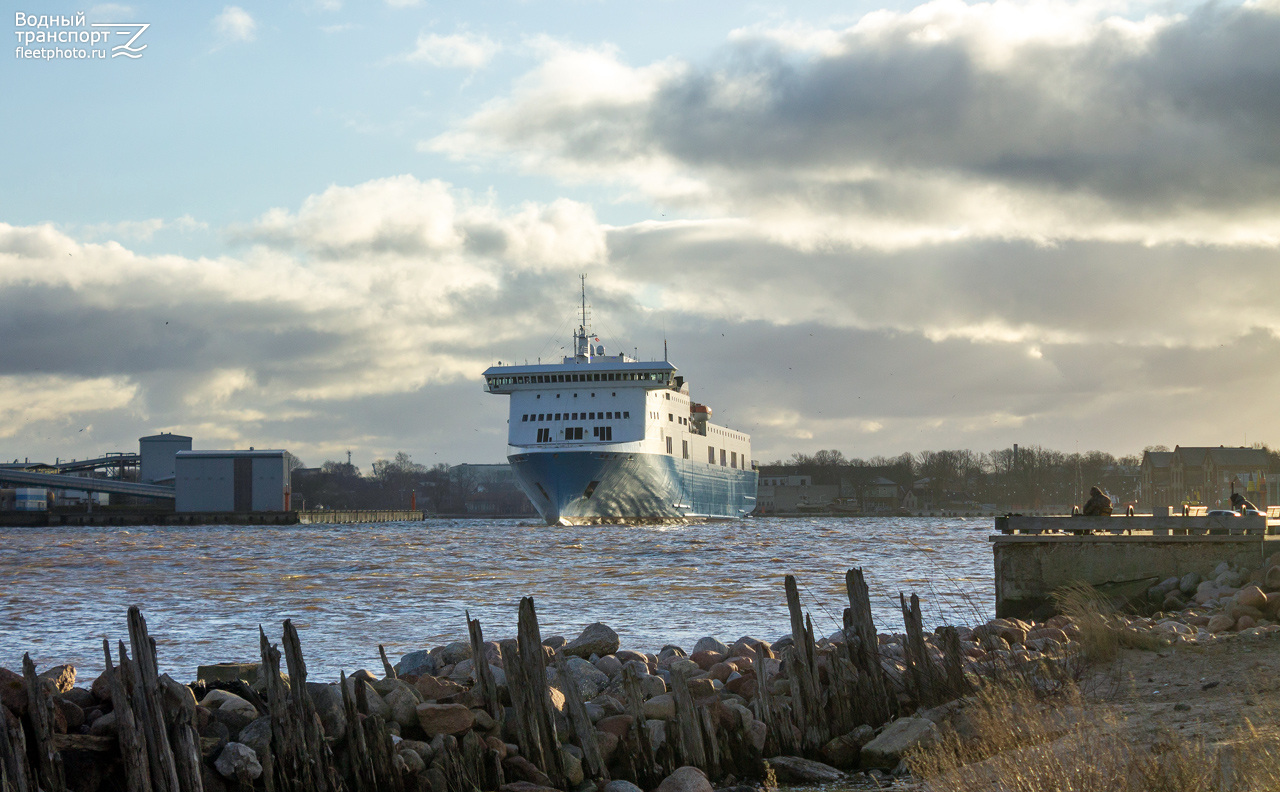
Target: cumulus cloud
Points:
(1039, 121)
(235, 24)
(457, 51)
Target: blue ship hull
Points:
(586, 487)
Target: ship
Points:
(600, 438)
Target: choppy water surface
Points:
(204, 590)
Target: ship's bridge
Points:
(616, 369)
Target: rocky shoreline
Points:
(528, 714)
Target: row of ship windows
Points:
(586, 416)
(601, 433)
(727, 458)
(604, 376)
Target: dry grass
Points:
(1014, 738)
(1009, 741)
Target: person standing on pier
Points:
(1098, 505)
(1240, 503)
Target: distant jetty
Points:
(158, 517)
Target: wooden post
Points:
(186, 741)
(877, 703)
(921, 670)
(647, 774)
(301, 756)
(692, 749)
(388, 670)
(483, 673)
(358, 759)
(538, 692)
(953, 663)
(526, 725)
(147, 705)
(803, 673)
(14, 773)
(580, 723)
(133, 741)
(40, 716)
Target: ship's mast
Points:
(582, 345)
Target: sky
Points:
(874, 228)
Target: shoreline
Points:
(846, 708)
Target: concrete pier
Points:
(1119, 556)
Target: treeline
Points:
(392, 484)
(1029, 476)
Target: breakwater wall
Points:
(1118, 556)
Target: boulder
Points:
(433, 688)
(524, 786)
(61, 677)
(104, 726)
(521, 769)
(846, 750)
(617, 725)
(224, 701)
(13, 691)
(609, 665)
(238, 761)
(898, 737)
(661, 707)
(70, 713)
(376, 704)
(416, 663)
(1220, 622)
(1187, 585)
(657, 733)
(572, 765)
(596, 639)
(328, 703)
(1251, 597)
(444, 718)
(706, 659)
(412, 761)
(685, 665)
(404, 706)
(497, 746)
(795, 770)
(746, 647)
(257, 735)
(454, 653)
(686, 779)
(652, 685)
(618, 785)
(710, 644)
(588, 679)
(608, 744)
(1272, 580)
(1245, 623)
(627, 655)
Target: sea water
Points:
(205, 590)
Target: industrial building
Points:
(231, 481)
(157, 453)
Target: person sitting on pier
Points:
(1240, 503)
(1098, 505)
